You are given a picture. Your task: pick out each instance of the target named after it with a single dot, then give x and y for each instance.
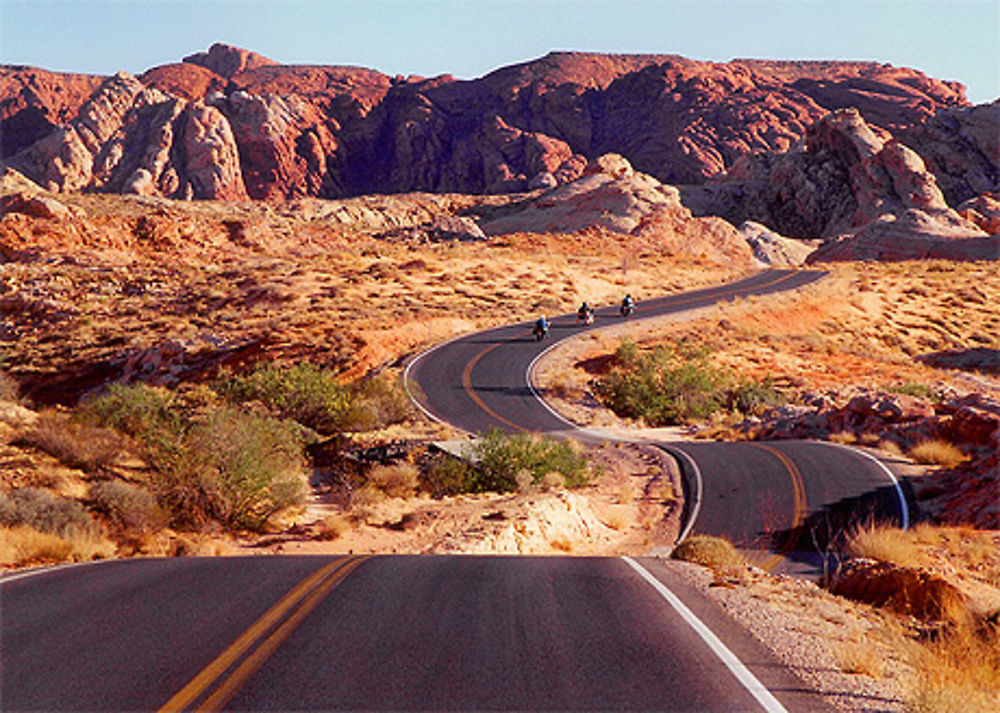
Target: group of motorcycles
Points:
(585, 314)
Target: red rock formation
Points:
(337, 131)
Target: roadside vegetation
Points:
(501, 462)
(231, 457)
(677, 383)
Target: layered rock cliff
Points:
(228, 123)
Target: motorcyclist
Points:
(542, 326)
(585, 313)
(628, 305)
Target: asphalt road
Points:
(433, 633)
(783, 498)
(396, 633)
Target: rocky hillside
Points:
(230, 124)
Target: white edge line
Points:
(409, 393)
(4, 579)
(698, 489)
(903, 507)
(736, 667)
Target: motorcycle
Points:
(540, 331)
(585, 316)
(627, 310)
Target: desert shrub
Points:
(665, 386)
(23, 544)
(46, 512)
(498, 457)
(754, 397)
(912, 388)
(714, 552)
(150, 414)
(937, 452)
(445, 475)
(79, 445)
(241, 468)
(128, 508)
(376, 402)
(302, 392)
(397, 480)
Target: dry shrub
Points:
(397, 480)
(960, 671)
(862, 659)
(843, 437)
(9, 390)
(47, 512)
(869, 439)
(553, 481)
(332, 527)
(714, 552)
(890, 447)
(937, 452)
(884, 544)
(129, 509)
(525, 482)
(76, 444)
(23, 545)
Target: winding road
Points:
(438, 633)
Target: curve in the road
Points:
(785, 497)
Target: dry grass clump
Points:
(397, 480)
(937, 452)
(332, 527)
(960, 671)
(884, 544)
(77, 444)
(843, 437)
(714, 552)
(861, 658)
(23, 545)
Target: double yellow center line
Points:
(800, 505)
(254, 646)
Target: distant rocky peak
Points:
(226, 60)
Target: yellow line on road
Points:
(262, 653)
(800, 506)
(201, 683)
(477, 399)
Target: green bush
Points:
(912, 388)
(150, 414)
(499, 457)
(238, 468)
(446, 475)
(128, 508)
(302, 392)
(376, 402)
(46, 512)
(666, 386)
(495, 461)
(754, 397)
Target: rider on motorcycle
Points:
(628, 305)
(542, 325)
(585, 313)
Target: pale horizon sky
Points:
(945, 39)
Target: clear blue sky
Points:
(947, 39)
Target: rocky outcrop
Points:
(870, 198)
(613, 196)
(773, 249)
(343, 131)
(961, 147)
